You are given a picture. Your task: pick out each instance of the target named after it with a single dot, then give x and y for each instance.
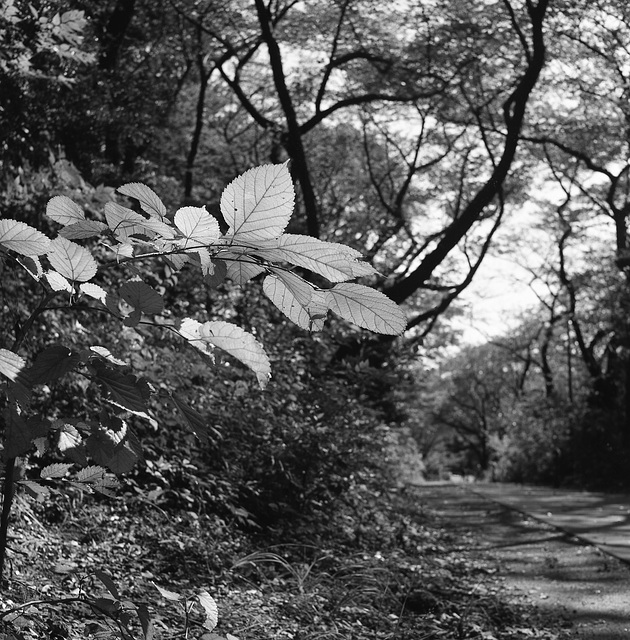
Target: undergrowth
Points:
(381, 567)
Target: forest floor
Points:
(388, 563)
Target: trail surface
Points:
(564, 576)
(599, 518)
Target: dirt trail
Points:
(559, 573)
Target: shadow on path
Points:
(556, 571)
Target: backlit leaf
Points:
(57, 282)
(83, 229)
(366, 308)
(126, 223)
(10, 364)
(65, 211)
(258, 204)
(57, 470)
(197, 226)
(210, 608)
(142, 297)
(71, 260)
(336, 262)
(22, 238)
(239, 344)
(169, 595)
(231, 339)
(93, 291)
(291, 295)
(148, 199)
(240, 268)
(90, 474)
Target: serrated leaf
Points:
(20, 433)
(107, 355)
(91, 474)
(65, 211)
(210, 608)
(336, 262)
(57, 470)
(366, 308)
(33, 266)
(218, 274)
(93, 291)
(126, 223)
(57, 282)
(127, 390)
(69, 438)
(240, 344)
(22, 238)
(52, 363)
(258, 204)
(241, 268)
(291, 295)
(71, 260)
(83, 229)
(197, 226)
(142, 297)
(11, 364)
(35, 490)
(148, 199)
(169, 595)
(197, 423)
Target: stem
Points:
(7, 500)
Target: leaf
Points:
(146, 622)
(336, 262)
(239, 344)
(258, 204)
(126, 223)
(35, 490)
(57, 470)
(33, 266)
(148, 199)
(93, 291)
(217, 277)
(291, 295)
(83, 229)
(366, 308)
(107, 449)
(127, 390)
(104, 353)
(169, 595)
(91, 474)
(197, 423)
(52, 363)
(65, 211)
(70, 443)
(22, 238)
(57, 282)
(142, 297)
(20, 433)
(106, 579)
(240, 268)
(197, 226)
(210, 608)
(71, 260)
(10, 364)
